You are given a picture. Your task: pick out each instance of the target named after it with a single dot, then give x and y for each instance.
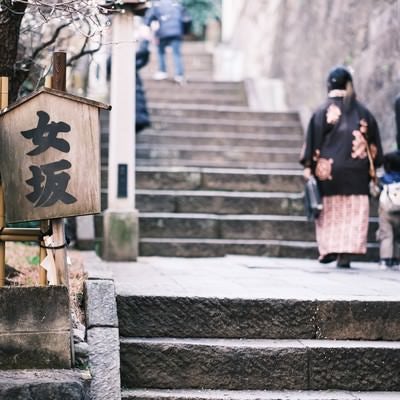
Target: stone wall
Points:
(35, 328)
(300, 40)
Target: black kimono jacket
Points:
(336, 151)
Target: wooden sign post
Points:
(3, 103)
(50, 159)
(58, 227)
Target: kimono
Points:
(336, 151)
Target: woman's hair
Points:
(340, 78)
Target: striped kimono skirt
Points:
(342, 226)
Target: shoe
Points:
(328, 258)
(343, 261)
(179, 79)
(160, 76)
(389, 263)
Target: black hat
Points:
(338, 78)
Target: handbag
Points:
(374, 187)
(312, 199)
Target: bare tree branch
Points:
(23, 39)
(84, 52)
(50, 41)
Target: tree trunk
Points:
(10, 22)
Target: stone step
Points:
(205, 317)
(225, 125)
(266, 227)
(202, 85)
(199, 111)
(194, 47)
(216, 202)
(192, 67)
(190, 97)
(189, 47)
(184, 247)
(217, 100)
(212, 164)
(192, 73)
(158, 97)
(191, 60)
(293, 141)
(198, 247)
(212, 226)
(219, 202)
(209, 164)
(203, 394)
(216, 139)
(271, 124)
(44, 384)
(259, 364)
(196, 88)
(232, 179)
(219, 179)
(197, 63)
(214, 153)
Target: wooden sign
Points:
(50, 156)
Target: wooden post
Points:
(48, 82)
(4, 91)
(3, 104)
(44, 226)
(2, 243)
(60, 255)
(59, 70)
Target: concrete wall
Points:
(230, 13)
(300, 40)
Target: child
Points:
(389, 211)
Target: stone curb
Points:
(101, 308)
(102, 330)
(55, 384)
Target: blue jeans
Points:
(175, 44)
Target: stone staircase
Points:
(192, 348)
(198, 63)
(214, 177)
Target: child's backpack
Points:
(389, 199)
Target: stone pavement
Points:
(250, 277)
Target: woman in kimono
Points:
(335, 152)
